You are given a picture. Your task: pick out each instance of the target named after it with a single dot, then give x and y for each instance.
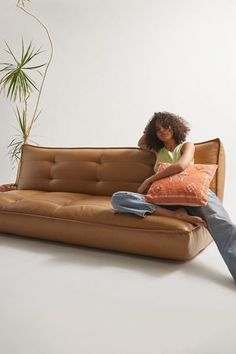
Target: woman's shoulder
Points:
(186, 144)
(187, 147)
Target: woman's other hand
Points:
(7, 187)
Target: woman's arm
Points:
(187, 154)
(141, 143)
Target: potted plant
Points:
(18, 85)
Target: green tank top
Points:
(165, 155)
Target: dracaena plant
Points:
(17, 83)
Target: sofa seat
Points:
(83, 208)
(56, 215)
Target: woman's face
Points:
(163, 134)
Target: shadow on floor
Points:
(60, 253)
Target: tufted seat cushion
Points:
(83, 208)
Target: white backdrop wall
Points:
(118, 61)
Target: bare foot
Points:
(182, 214)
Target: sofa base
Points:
(179, 245)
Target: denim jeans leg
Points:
(130, 202)
(221, 228)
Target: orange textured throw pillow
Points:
(189, 187)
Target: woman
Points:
(165, 135)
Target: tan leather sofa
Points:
(64, 195)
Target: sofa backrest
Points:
(102, 171)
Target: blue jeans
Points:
(130, 202)
(220, 226)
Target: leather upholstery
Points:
(101, 171)
(64, 195)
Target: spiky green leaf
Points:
(15, 83)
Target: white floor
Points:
(59, 299)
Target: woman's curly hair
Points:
(166, 120)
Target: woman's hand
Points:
(7, 187)
(144, 186)
(142, 143)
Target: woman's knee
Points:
(116, 199)
(119, 198)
